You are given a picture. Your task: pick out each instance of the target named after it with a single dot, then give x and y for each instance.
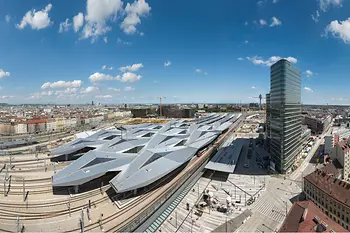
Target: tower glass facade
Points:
(284, 116)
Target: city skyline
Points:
(116, 52)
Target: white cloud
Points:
(134, 11)
(326, 4)
(260, 3)
(168, 63)
(130, 77)
(120, 41)
(133, 68)
(308, 89)
(105, 39)
(245, 23)
(3, 73)
(104, 67)
(340, 29)
(316, 16)
(254, 87)
(36, 19)
(240, 59)
(78, 21)
(97, 77)
(246, 42)
(103, 96)
(64, 26)
(129, 88)
(142, 34)
(198, 70)
(259, 61)
(262, 22)
(7, 97)
(62, 84)
(338, 99)
(7, 18)
(155, 81)
(113, 89)
(110, 68)
(309, 73)
(89, 89)
(275, 1)
(275, 22)
(99, 12)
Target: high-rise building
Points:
(284, 121)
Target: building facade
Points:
(285, 115)
(330, 194)
(318, 125)
(341, 152)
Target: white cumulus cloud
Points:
(316, 16)
(105, 39)
(36, 19)
(113, 89)
(326, 4)
(129, 88)
(254, 87)
(130, 77)
(7, 18)
(132, 68)
(134, 11)
(308, 89)
(340, 29)
(99, 12)
(168, 63)
(198, 70)
(78, 21)
(64, 26)
(240, 59)
(309, 73)
(103, 96)
(97, 77)
(259, 61)
(4, 73)
(275, 22)
(262, 22)
(62, 84)
(89, 89)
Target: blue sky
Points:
(114, 51)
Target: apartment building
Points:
(341, 153)
(305, 216)
(330, 194)
(318, 123)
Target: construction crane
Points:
(260, 97)
(160, 104)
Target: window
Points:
(342, 217)
(347, 219)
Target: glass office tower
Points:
(284, 121)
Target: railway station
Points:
(101, 178)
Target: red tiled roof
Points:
(36, 121)
(301, 219)
(337, 189)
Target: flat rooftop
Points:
(226, 158)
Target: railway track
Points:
(74, 198)
(30, 216)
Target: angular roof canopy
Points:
(143, 153)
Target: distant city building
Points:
(284, 121)
(318, 123)
(305, 216)
(329, 193)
